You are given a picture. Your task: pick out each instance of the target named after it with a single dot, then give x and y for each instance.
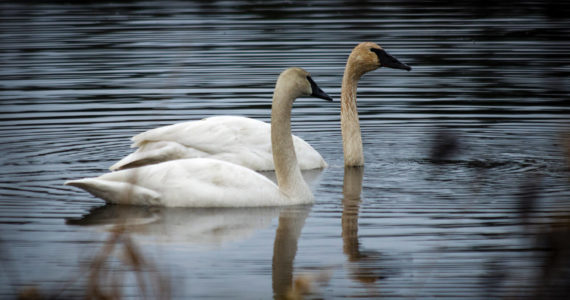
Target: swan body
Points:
(192, 182)
(206, 182)
(240, 140)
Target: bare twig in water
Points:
(566, 148)
(304, 284)
(104, 284)
(553, 278)
(150, 283)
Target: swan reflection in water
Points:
(201, 226)
(217, 226)
(364, 266)
(291, 222)
(210, 227)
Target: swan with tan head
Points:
(364, 58)
(205, 182)
(246, 141)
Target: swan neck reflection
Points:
(351, 189)
(291, 222)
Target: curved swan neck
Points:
(289, 177)
(350, 126)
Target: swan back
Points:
(240, 140)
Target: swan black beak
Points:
(389, 61)
(317, 92)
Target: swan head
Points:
(299, 83)
(369, 56)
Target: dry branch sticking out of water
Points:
(305, 284)
(105, 284)
(106, 281)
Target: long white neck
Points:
(289, 177)
(349, 124)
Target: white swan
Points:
(205, 182)
(240, 140)
(246, 141)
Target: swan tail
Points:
(134, 160)
(156, 135)
(153, 153)
(139, 139)
(117, 192)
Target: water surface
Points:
(466, 185)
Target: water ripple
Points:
(454, 149)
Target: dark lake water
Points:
(490, 219)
